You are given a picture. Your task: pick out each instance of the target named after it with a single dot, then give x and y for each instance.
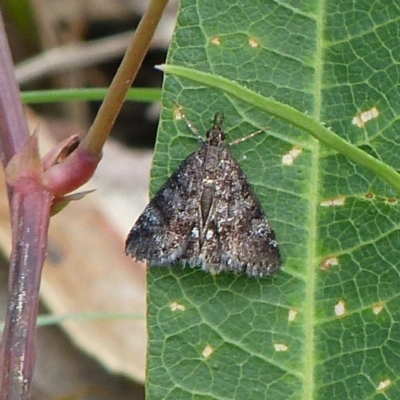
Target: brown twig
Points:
(124, 77)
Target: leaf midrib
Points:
(310, 286)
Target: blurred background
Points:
(98, 352)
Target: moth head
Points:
(216, 136)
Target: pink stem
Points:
(14, 130)
(17, 353)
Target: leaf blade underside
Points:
(325, 326)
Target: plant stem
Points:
(31, 194)
(124, 77)
(12, 116)
(294, 117)
(29, 244)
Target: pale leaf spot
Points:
(215, 40)
(340, 308)
(336, 201)
(391, 200)
(175, 306)
(377, 308)
(280, 347)
(384, 384)
(254, 42)
(208, 350)
(360, 119)
(289, 157)
(329, 262)
(178, 113)
(369, 196)
(292, 314)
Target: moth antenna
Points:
(243, 139)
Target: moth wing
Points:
(247, 242)
(161, 234)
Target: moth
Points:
(207, 215)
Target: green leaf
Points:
(294, 117)
(327, 325)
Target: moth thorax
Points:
(215, 137)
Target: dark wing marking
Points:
(159, 236)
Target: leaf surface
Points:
(327, 325)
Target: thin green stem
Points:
(293, 117)
(148, 95)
